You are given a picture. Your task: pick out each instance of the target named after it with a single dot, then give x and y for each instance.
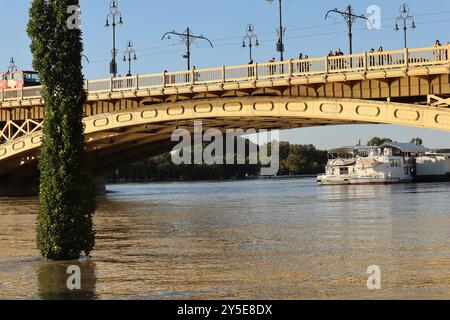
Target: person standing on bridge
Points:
(380, 56)
(372, 57)
(300, 64)
(340, 61)
(251, 69)
(331, 61)
(272, 67)
(306, 64)
(446, 49)
(438, 50)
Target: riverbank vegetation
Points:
(294, 160)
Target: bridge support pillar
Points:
(100, 186)
(30, 187)
(18, 188)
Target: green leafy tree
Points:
(417, 141)
(67, 197)
(376, 141)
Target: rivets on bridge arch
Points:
(406, 115)
(232, 107)
(36, 140)
(368, 111)
(203, 108)
(18, 145)
(149, 114)
(331, 108)
(101, 122)
(296, 107)
(263, 106)
(125, 117)
(175, 111)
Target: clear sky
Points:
(224, 23)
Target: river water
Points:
(260, 239)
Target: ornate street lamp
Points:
(129, 55)
(405, 18)
(114, 14)
(250, 39)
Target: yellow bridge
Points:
(129, 118)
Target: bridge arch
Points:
(133, 133)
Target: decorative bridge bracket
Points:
(436, 101)
(15, 129)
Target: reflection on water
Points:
(264, 239)
(53, 276)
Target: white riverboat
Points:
(433, 166)
(386, 164)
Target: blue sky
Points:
(224, 23)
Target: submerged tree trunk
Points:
(67, 197)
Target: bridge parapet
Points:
(324, 67)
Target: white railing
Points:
(368, 61)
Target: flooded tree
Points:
(67, 198)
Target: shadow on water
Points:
(53, 276)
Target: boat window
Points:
(31, 77)
(343, 170)
(406, 170)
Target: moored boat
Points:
(386, 164)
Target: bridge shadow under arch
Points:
(126, 136)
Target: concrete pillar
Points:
(22, 188)
(30, 187)
(100, 186)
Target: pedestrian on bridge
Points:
(380, 56)
(300, 64)
(372, 57)
(331, 64)
(251, 69)
(272, 67)
(438, 52)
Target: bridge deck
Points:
(421, 62)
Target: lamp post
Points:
(350, 18)
(129, 55)
(113, 14)
(188, 38)
(405, 18)
(250, 38)
(280, 43)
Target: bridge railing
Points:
(94, 86)
(425, 56)
(150, 81)
(367, 61)
(386, 60)
(354, 62)
(310, 66)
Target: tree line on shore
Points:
(294, 159)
